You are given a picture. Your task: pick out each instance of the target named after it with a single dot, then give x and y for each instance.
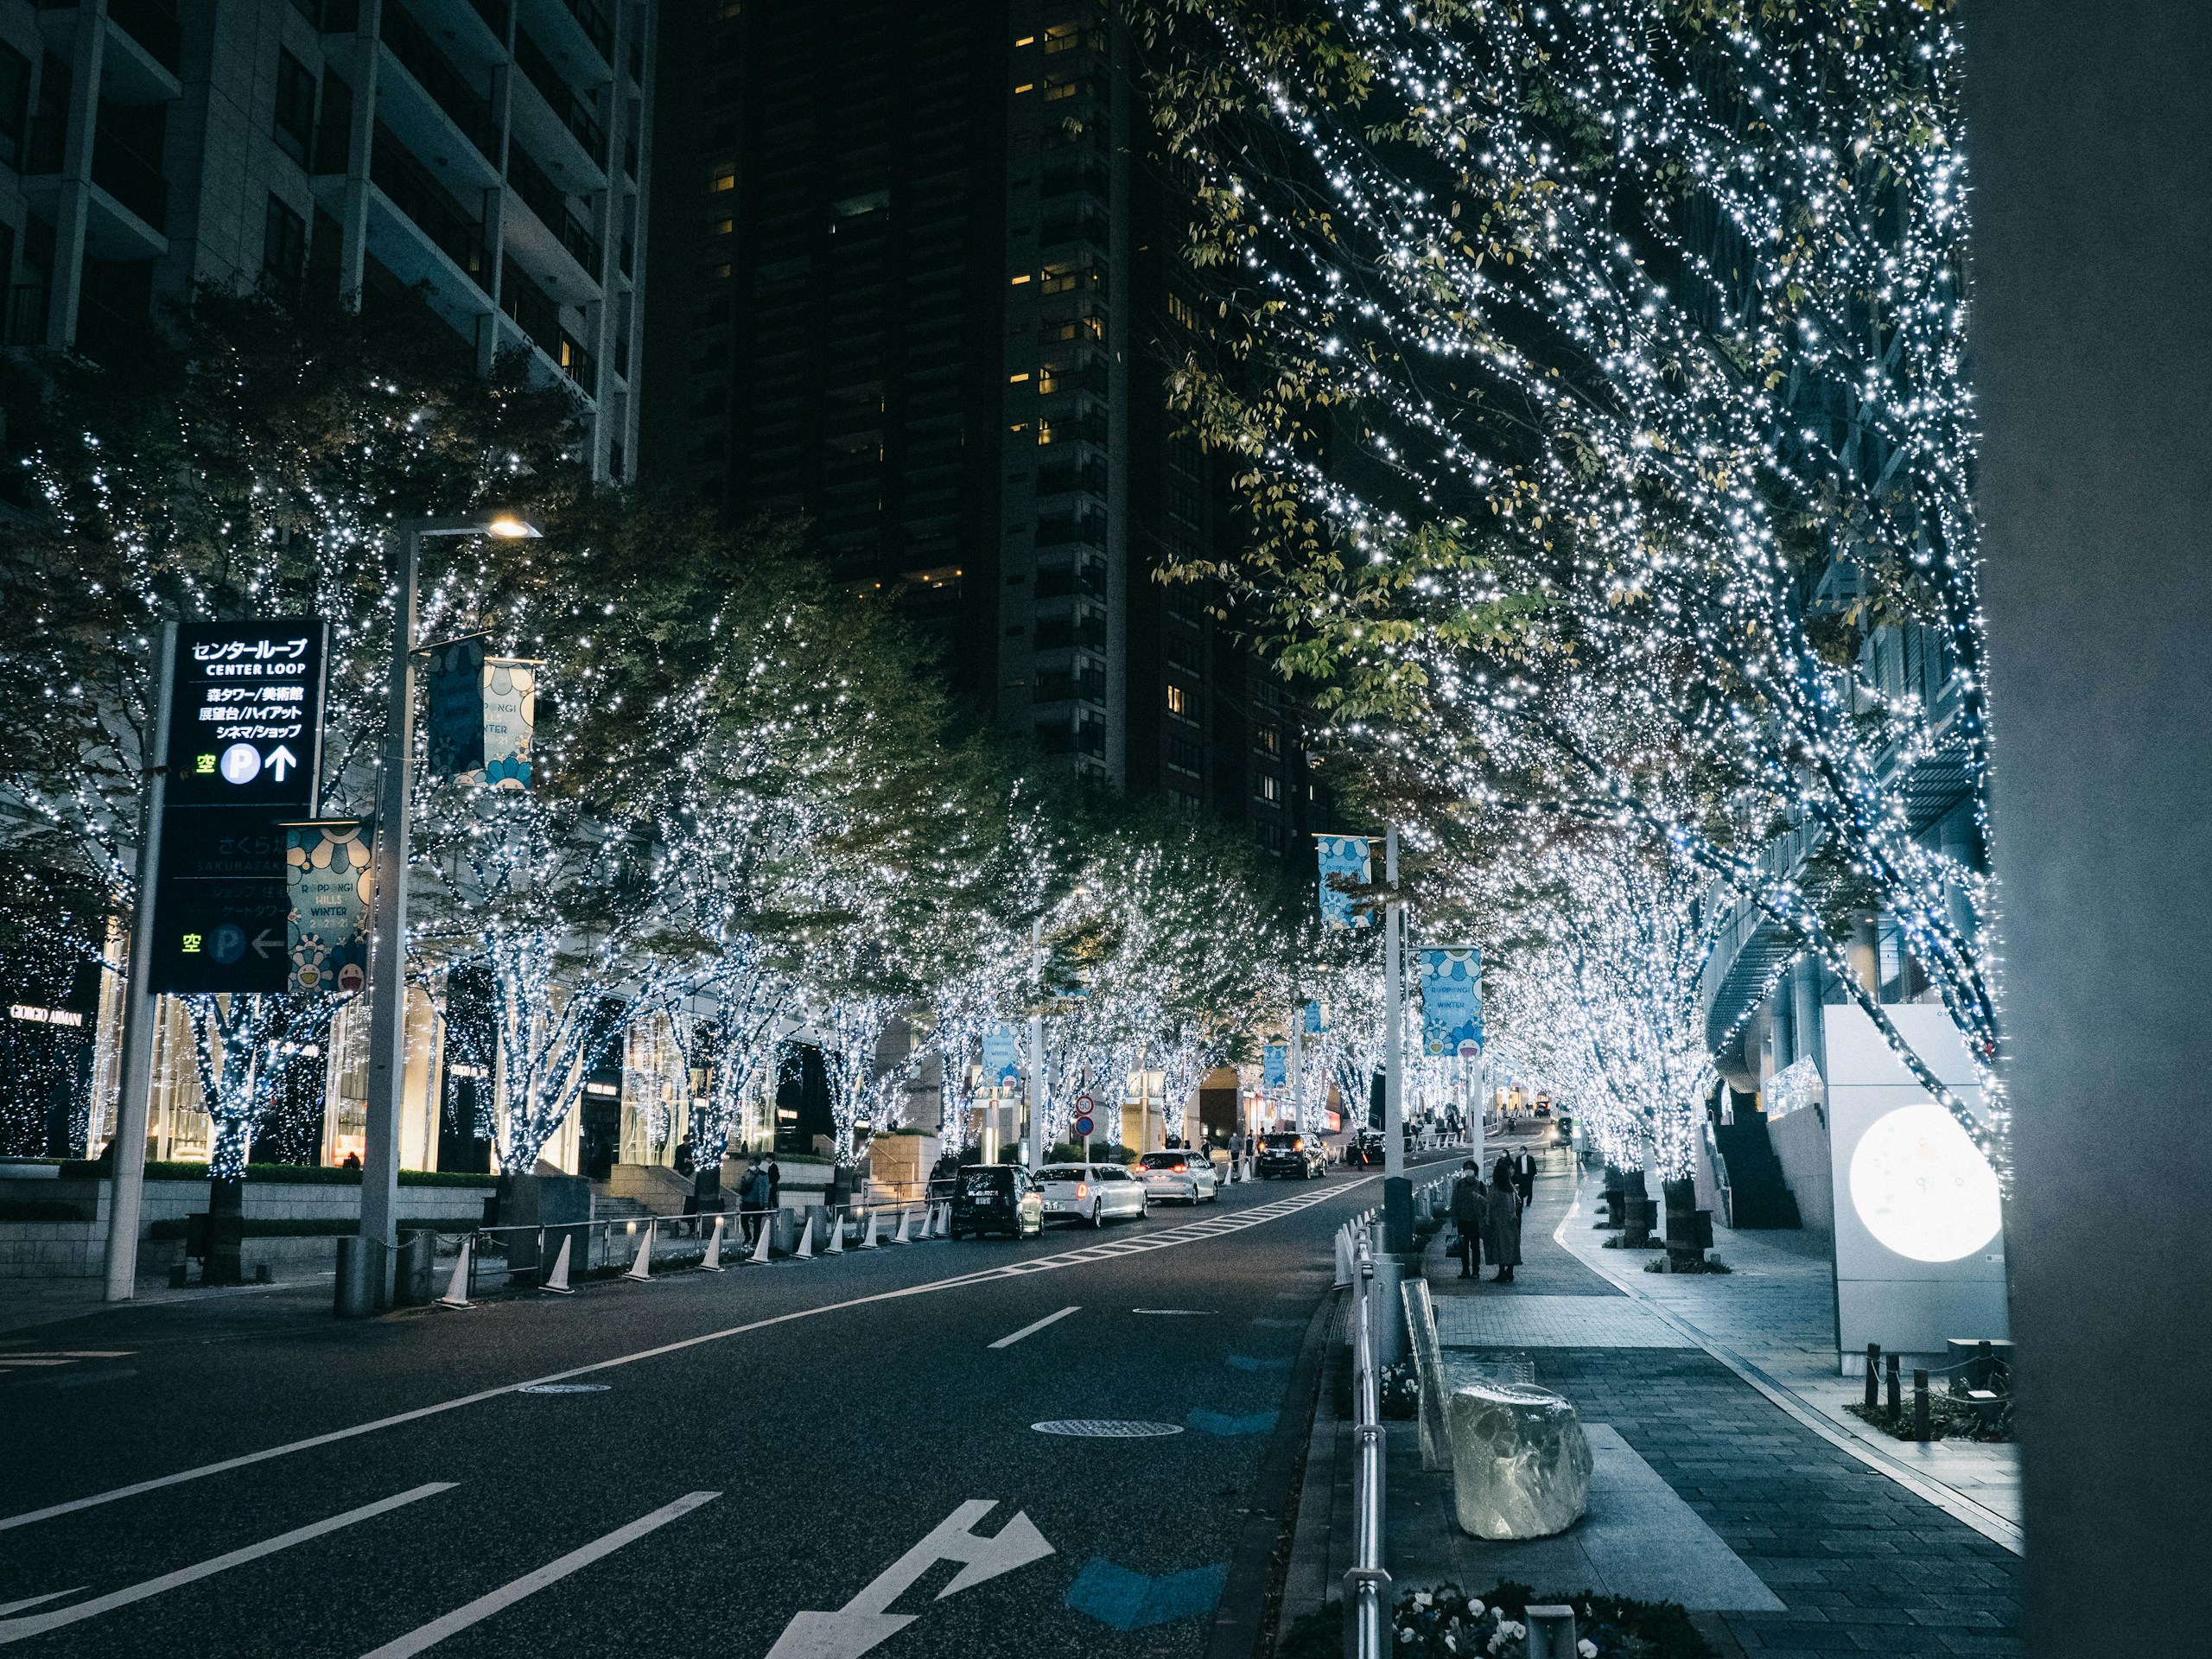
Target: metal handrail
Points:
(1367, 1585)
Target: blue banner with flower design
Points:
(1343, 861)
(1451, 1000)
(327, 877)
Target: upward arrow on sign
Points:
(863, 1622)
(282, 762)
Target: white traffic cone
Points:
(714, 1261)
(836, 1233)
(556, 1282)
(901, 1236)
(641, 1269)
(805, 1251)
(457, 1292)
(869, 1242)
(932, 1224)
(760, 1256)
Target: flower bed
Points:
(1950, 1417)
(1448, 1623)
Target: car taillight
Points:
(1298, 1145)
(1181, 1169)
(1081, 1189)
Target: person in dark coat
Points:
(1524, 1176)
(1501, 1221)
(687, 1165)
(1467, 1218)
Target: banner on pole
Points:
(1313, 1025)
(1344, 857)
(483, 711)
(327, 875)
(1274, 1066)
(1451, 1000)
(1001, 1055)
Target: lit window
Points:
(723, 227)
(1016, 379)
(1178, 309)
(1027, 40)
(1027, 87)
(1270, 740)
(1062, 37)
(1268, 787)
(1060, 87)
(1019, 280)
(725, 178)
(1178, 702)
(1044, 431)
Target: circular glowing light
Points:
(1923, 1188)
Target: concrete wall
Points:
(2093, 348)
(1801, 1142)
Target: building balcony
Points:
(572, 109)
(562, 255)
(579, 35)
(112, 230)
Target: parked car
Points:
(1287, 1154)
(997, 1198)
(1183, 1174)
(1091, 1192)
(1366, 1148)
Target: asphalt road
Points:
(720, 1455)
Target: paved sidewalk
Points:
(1707, 1489)
(1771, 1320)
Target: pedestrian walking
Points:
(1524, 1176)
(1236, 1155)
(775, 1185)
(1502, 1220)
(1467, 1218)
(687, 1167)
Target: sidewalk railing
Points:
(1367, 1585)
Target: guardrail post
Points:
(1920, 1425)
(1873, 1372)
(1891, 1377)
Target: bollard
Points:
(1873, 1373)
(713, 1261)
(1897, 1406)
(355, 1298)
(1920, 1425)
(641, 1265)
(1551, 1632)
(457, 1292)
(418, 1253)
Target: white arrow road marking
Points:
(864, 1621)
(507, 1594)
(1031, 1330)
(15, 1630)
(281, 761)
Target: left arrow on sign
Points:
(265, 942)
(863, 1622)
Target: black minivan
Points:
(997, 1198)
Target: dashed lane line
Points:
(1188, 1233)
(1008, 1340)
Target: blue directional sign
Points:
(244, 751)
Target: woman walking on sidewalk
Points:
(1501, 1221)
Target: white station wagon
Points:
(1091, 1192)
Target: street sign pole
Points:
(1397, 1190)
(127, 1183)
(388, 939)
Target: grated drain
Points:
(1106, 1428)
(563, 1387)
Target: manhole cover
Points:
(1106, 1428)
(563, 1387)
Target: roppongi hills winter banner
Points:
(1344, 857)
(1451, 1000)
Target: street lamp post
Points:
(388, 913)
(1397, 1189)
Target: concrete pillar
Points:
(75, 205)
(2092, 318)
(1805, 1017)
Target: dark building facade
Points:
(918, 278)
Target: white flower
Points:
(1587, 1649)
(1423, 1599)
(1474, 1609)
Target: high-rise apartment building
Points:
(919, 279)
(492, 156)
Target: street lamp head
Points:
(509, 528)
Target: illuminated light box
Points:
(1919, 1241)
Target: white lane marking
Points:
(1160, 1241)
(9, 1357)
(530, 1583)
(7, 1607)
(15, 1630)
(1173, 1313)
(1031, 1330)
(863, 1622)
